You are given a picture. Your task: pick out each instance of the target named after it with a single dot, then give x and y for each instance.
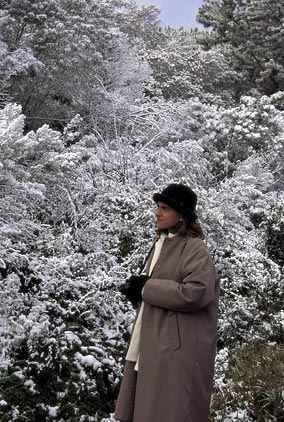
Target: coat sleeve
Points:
(198, 286)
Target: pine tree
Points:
(253, 30)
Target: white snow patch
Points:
(88, 360)
(52, 411)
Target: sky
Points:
(176, 13)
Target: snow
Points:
(52, 411)
(88, 360)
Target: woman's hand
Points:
(132, 288)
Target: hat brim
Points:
(159, 197)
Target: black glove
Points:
(132, 288)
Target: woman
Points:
(169, 366)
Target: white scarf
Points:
(134, 347)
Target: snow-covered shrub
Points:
(77, 219)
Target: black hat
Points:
(179, 197)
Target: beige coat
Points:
(178, 339)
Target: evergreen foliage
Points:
(132, 107)
(253, 31)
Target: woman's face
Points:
(166, 217)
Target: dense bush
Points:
(252, 388)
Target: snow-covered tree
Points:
(78, 219)
(74, 49)
(253, 29)
(183, 69)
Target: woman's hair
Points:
(186, 228)
(189, 228)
